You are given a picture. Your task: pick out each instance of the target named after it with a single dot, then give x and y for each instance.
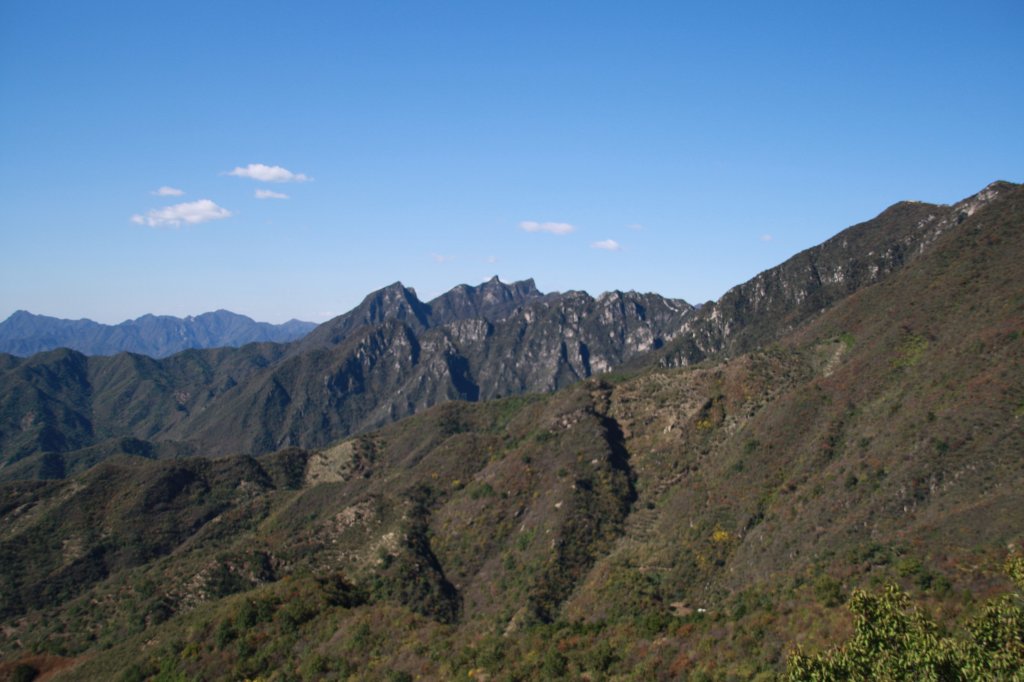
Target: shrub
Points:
(894, 641)
(829, 591)
(23, 673)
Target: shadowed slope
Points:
(673, 522)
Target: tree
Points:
(893, 640)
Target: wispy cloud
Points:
(766, 237)
(439, 258)
(553, 228)
(166, 191)
(270, 194)
(492, 260)
(607, 245)
(191, 213)
(258, 171)
(635, 226)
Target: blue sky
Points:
(700, 143)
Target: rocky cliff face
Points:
(381, 372)
(491, 301)
(393, 302)
(554, 342)
(391, 356)
(395, 355)
(676, 522)
(777, 300)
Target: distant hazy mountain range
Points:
(158, 336)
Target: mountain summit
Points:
(491, 300)
(394, 355)
(662, 522)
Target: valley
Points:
(504, 484)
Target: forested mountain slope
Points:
(394, 355)
(655, 523)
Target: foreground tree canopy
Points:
(893, 640)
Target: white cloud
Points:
(192, 213)
(257, 171)
(553, 228)
(607, 245)
(166, 191)
(492, 259)
(438, 258)
(766, 237)
(270, 194)
(635, 226)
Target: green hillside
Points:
(666, 522)
(394, 355)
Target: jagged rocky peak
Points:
(575, 296)
(525, 287)
(494, 291)
(491, 300)
(395, 301)
(968, 206)
(758, 311)
(962, 209)
(643, 300)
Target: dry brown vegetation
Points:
(695, 522)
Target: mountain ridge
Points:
(387, 359)
(859, 255)
(697, 521)
(489, 300)
(24, 333)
